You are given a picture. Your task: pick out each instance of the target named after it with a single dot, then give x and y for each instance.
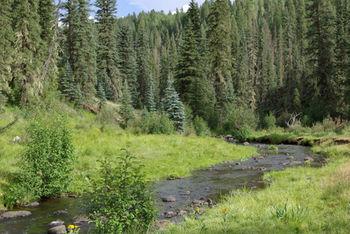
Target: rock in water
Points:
(58, 230)
(14, 214)
(55, 223)
(33, 204)
(169, 199)
(246, 143)
(170, 214)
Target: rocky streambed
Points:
(175, 197)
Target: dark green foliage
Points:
(26, 84)
(201, 127)
(262, 55)
(126, 109)
(321, 54)
(107, 66)
(46, 163)
(81, 47)
(219, 37)
(6, 42)
(120, 200)
(127, 60)
(174, 107)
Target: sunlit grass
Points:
(298, 200)
(161, 155)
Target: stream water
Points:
(202, 188)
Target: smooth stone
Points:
(55, 223)
(58, 230)
(15, 214)
(33, 204)
(170, 214)
(246, 143)
(169, 199)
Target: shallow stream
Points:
(204, 188)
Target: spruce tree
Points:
(342, 52)
(188, 67)
(144, 79)
(219, 36)
(81, 47)
(6, 45)
(321, 36)
(127, 60)
(26, 83)
(107, 47)
(174, 107)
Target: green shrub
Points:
(152, 123)
(45, 165)
(269, 121)
(240, 122)
(201, 127)
(108, 115)
(120, 200)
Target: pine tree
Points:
(6, 43)
(47, 20)
(174, 107)
(150, 99)
(188, 67)
(342, 52)
(107, 47)
(126, 109)
(219, 34)
(26, 83)
(68, 86)
(143, 72)
(81, 47)
(127, 60)
(322, 58)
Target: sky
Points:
(126, 7)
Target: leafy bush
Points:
(45, 165)
(201, 127)
(120, 200)
(269, 121)
(240, 122)
(152, 123)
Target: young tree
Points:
(174, 107)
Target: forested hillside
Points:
(258, 57)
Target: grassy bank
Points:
(302, 136)
(162, 155)
(298, 200)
